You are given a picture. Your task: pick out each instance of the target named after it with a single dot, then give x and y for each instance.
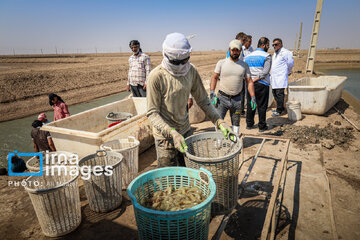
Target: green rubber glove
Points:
(213, 98)
(226, 130)
(179, 141)
(253, 103)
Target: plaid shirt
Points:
(139, 69)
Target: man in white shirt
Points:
(247, 48)
(282, 63)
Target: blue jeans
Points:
(138, 91)
(230, 103)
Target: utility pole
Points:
(298, 47)
(314, 37)
(56, 50)
(295, 49)
(41, 51)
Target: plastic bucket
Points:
(294, 110)
(220, 156)
(192, 223)
(113, 117)
(103, 190)
(129, 148)
(56, 201)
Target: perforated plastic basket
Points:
(56, 201)
(103, 192)
(192, 223)
(129, 148)
(221, 157)
(33, 164)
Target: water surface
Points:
(15, 134)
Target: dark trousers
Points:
(243, 94)
(138, 91)
(279, 95)
(262, 100)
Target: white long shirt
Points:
(282, 63)
(246, 52)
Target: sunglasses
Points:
(276, 44)
(178, 62)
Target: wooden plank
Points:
(272, 137)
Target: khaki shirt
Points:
(232, 75)
(167, 98)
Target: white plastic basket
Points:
(103, 191)
(220, 156)
(56, 201)
(129, 148)
(33, 164)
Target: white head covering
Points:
(176, 47)
(235, 44)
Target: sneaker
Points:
(249, 128)
(275, 114)
(264, 129)
(243, 113)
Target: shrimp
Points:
(171, 199)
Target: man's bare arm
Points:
(215, 77)
(251, 87)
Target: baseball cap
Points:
(235, 44)
(42, 116)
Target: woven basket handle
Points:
(107, 148)
(233, 137)
(207, 174)
(101, 153)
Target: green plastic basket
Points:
(192, 223)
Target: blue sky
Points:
(70, 26)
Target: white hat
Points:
(235, 44)
(176, 46)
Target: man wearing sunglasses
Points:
(232, 72)
(139, 70)
(168, 89)
(282, 63)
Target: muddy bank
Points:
(25, 81)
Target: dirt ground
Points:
(26, 81)
(323, 184)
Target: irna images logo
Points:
(56, 164)
(15, 153)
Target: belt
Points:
(227, 95)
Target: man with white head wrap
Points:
(169, 86)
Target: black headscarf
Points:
(36, 124)
(52, 96)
